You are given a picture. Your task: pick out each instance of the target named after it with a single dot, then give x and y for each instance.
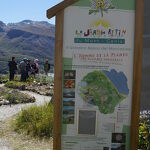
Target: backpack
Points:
(22, 66)
(33, 66)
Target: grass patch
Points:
(16, 85)
(15, 97)
(45, 79)
(33, 81)
(36, 121)
(42, 85)
(41, 79)
(18, 141)
(4, 78)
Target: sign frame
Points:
(58, 10)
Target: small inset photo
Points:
(69, 74)
(69, 83)
(69, 93)
(68, 102)
(68, 118)
(87, 120)
(68, 110)
(118, 137)
(118, 146)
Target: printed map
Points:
(105, 89)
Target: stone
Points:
(6, 102)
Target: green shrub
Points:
(16, 97)
(36, 121)
(144, 134)
(16, 85)
(3, 78)
(43, 79)
(3, 91)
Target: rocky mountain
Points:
(31, 39)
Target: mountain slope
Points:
(29, 39)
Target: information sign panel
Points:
(98, 52)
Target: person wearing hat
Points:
(22, 67)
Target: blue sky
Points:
(17, 10)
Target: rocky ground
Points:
(41, 89)
(10, 140)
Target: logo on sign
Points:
(100, 31)
(100, 6)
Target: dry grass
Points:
(22, 141)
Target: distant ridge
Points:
(32, 39)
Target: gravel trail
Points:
(7, 112)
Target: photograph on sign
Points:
(87, 122)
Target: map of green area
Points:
(96, 88)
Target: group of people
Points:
(26, 68)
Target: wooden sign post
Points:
(98, 59)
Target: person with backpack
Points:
(46, 67)
(35, 67)
(12, 69)
(22, 67)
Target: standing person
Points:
(36, 66)
(22, 67)
(12, 69)
(46, 67)
(28, 68)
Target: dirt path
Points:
(10, 140)
(6, 111)
(1, 85)
(4, 145)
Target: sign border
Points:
(137, 74)
(58, 80)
